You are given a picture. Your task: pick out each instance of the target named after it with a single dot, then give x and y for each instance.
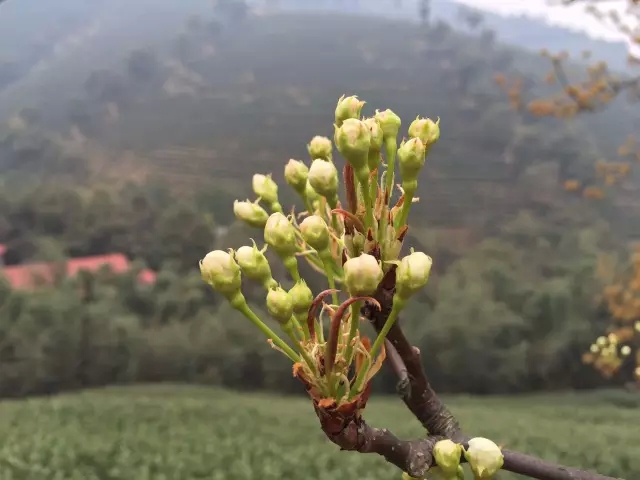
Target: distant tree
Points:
(618, 353)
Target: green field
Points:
(168, 432)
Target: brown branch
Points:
(350, 432)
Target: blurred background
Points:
(127, 130)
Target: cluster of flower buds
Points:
(354, 242)
(483, 456)
(608, 353)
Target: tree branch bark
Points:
(415, 457)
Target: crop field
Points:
(181, 433)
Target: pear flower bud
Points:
(375, 130)
(315, 232)
(447, 455)
(219, 269)
(601, 341)
(280, 234)
(625, 351)
(279, 305)
(320, 147)
(412, 274)
(485, 457)
(255, 265)
(362, 275)
(301, 296)
(426, 130)
(375, 146)
(250, 213)
(594, 348)
(265, 188)
(296, 173)
(353, 140)
(348, 107)
(323, 177)
(389, 122)
(411, 158)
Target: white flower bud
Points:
(315, 232)
(296, 173)
(353, 140)
(219, 269)
(484, 456)
(625, 351)
(265, 188)
(447, 455)
(389, 122)
(279, 305)
(301, 296)
(426, 130)
(411, 158)
(348, 107)
(320, 147)
(280, 234)
(323, 177)
(250, 213)
(412, 274)
(362, 275)
(254, 265)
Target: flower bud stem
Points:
(355, 323)
(291, 264)
(276, 207)
(409, 191)
(398, 305)
(239, 302)
(390, 150)
(363, 180)
(289, 329)
(302, 321)
(327, 263)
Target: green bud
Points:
(254, 265)
(362, 275)
(485, 457)
(250, 213)
(219, 269)
(301, 296)
(280, 305)
(412, 274)
(320, 147)
(323, 177)
(296, 173)
(353, 140)
(411, 158)
(389, 122)
(315, 232)
(375, 146)
(348, 107)
(447, 455)
(280, 234)
(265, 188)
(426, 130)
(377, 137)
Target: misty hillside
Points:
(214, 94)
(522, 31)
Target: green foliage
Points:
(189, 433)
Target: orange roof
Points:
(30, 275)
